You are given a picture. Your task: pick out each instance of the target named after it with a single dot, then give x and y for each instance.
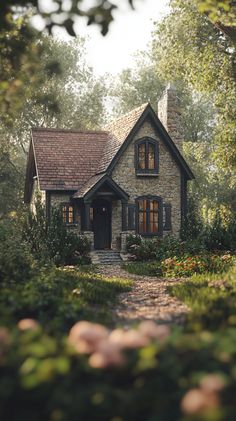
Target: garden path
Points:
(147, 299)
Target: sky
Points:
(131, 31)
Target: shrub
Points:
(189, 265)
(65, 247)
(134, 375)
(53, 241)
(16, 261)
(160, 248)
(220, 236)
(58, 297)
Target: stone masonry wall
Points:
(167, 184)
(57, 198)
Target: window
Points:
(149, 215)
(146, 161)
(68, 214)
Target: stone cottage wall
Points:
(57, 198)
(167, 184)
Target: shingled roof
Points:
(120, 129)
(74, 159)
(66, 159)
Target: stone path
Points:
(148, 299)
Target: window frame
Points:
(68, 205)
(146, 171)
(149, 198)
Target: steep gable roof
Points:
(73, 159)
(147, 112)
(119, 129)
(66, 159)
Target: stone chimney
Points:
(169, 114)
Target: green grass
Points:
(143, 268)
(211, 298)
(60, 297)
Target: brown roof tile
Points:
(119, 130)
(68, 159)
(65, 160)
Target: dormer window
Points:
(146, 159)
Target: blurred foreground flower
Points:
(106, 347)
(85, 336)
(28, 324)
(197, 400)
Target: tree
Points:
(67, 95)
(205, 61)
(214, 186)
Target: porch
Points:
(103, 207)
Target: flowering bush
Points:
(189, 265)
(96, 374)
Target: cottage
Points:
(129, 177)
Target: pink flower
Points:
(150, 329)
(212, 383)
(196, 401)
(85, 336)
(28, 324)
(107, 354)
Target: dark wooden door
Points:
(102, 224)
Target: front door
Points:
(102, 224)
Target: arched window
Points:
(146, 161)
(149, 215)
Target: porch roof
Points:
(96, 182)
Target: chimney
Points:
(169, 114)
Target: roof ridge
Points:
(139, 108)
(38, 129)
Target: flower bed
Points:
(189, 265)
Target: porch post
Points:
(87, 216)
(124, 215)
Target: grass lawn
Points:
(58, 297)
(212, 299)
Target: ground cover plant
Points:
(211, 298)
(148, 373)
(182, 266)
(50, 240)
(58, 297)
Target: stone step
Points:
(105, 257)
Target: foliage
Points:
(184, 58)
(152, 268)
(59, 297)
(220, 236)
(160, 248)
(64, 94)
(52, 240)
(16, 261)
(145, 374)
(189, 265)
(211, 299)
(101, 14)
(182, 266)
(206, 98)
(223, 12)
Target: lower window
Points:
(68, 214)
(149, 216)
